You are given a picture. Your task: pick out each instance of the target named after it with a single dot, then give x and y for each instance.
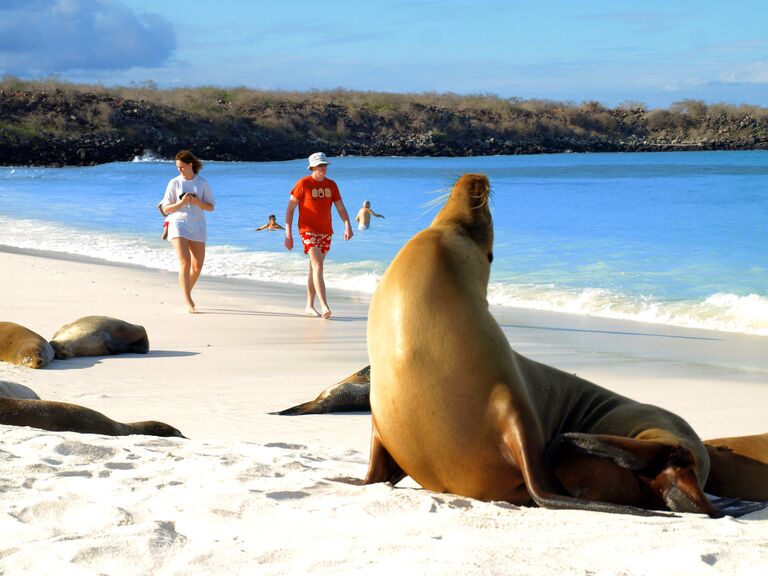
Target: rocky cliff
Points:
(73, 125)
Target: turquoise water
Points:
(677, 238)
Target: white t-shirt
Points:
(189, 221)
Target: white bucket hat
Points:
(317, 159)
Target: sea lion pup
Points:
(455, 408)
(64, 417)
(348, 395)
(99, 336)
(19, 345)
(739, 467)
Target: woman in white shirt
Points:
(187, 198)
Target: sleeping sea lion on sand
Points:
(99, 336)
(19, 345)
(348, 395)
(64, 417)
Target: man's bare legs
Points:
(191, 258)
(316, 284)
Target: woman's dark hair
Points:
(188, 158)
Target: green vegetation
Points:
(55, 122)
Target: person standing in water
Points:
(187, 198)
(363, 217)
(314, 195)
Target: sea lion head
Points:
(468, 210)
(154, 428)
(35, 354)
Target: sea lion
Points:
(19, 345)
(739, 467)
(348, 395)
(13, 390)
(64, 417)
(455, 408)
(99, 336)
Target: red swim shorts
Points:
(321, 241)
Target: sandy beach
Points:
(253, 493)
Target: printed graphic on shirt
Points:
(321, 192)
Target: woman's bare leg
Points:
(182, 248)
(197, 251)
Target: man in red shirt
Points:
(314, 195)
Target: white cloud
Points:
(57, 36)
(753, 73)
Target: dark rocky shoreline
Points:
(81, 126)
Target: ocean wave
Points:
(222, 261)
(721, 311)
(147, 156)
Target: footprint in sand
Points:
(120, 465)
(82, 453)
(287, 495)
(71, 514)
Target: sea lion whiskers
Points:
(429, 205)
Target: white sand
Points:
(253, 493)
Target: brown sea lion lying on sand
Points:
(20, 406)
(99, 336)
(19, 345)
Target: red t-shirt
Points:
(315, 201)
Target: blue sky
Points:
(612, 51)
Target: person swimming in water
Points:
(363, 217)
(271, 224)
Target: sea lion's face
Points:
(34, 355)
(468, 209)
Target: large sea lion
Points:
(455, 408)
(99, 336)
(64, 417)
(19, 345)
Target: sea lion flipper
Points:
(298, 410)
(667, 469)
(614, 449)
(381, 465)
(539, 480)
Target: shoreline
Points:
(250, 492)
